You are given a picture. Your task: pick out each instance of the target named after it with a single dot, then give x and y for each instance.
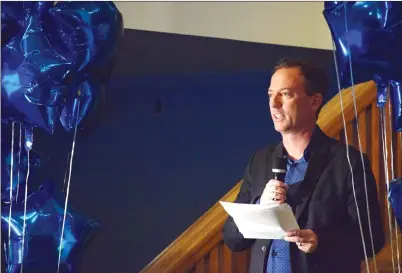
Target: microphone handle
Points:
(279, 176)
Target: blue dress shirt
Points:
(279, 253)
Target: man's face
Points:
(291, 108)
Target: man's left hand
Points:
(305, 239)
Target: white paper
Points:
(256, 221)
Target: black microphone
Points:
(279, 168)
(279, 172)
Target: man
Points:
(318, 185)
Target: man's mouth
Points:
(278, 117)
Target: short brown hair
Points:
(316, 78)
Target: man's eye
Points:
(286, 94)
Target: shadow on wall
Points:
(183, 116)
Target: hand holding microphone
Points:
(275, 191)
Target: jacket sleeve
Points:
(231, 234)
(367, 209)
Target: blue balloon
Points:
(51, 51)
(39, 251)
(10, 26)
(92, 35)
(78, 107)
(396, 101)
(32, 85)
(369, 35)
(395, 198)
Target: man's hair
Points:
(316, 78)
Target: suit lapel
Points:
(262, 178)
(315, 167)
(317, 162)
(278, 151)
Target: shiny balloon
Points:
(39, 251)
(369, 34)
(10, 24)
(51, 50)
(396, 101)
(395, 199)
(78, 107)
(104, 29)
(92, 35)
(32, 85)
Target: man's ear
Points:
(316, 101)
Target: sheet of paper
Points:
(257, 221)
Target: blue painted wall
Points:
(183, 116)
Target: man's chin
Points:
(280, 127)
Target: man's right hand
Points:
(274, 193)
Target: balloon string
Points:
(385, 157)
(348, 158)
(397, 246)
(391, 143)
(68, 185)
(19, 164)
(11, 184)
(360, 148)
(66, 172)
(392, 178)
(25, 205)
(361, 156)
(396, 224)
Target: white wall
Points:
(285, 23)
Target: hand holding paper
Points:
(257, 221)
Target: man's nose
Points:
(275, 101)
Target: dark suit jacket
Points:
(323, 202)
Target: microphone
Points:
(279, 168)
(279, 172)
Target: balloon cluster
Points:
(55, 55)
(36, 248)
(367, 39)
(57, 58)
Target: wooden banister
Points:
(330, 119)
(195, 242)
(205, 234)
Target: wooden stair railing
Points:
(200, 248)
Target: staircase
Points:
(200, 248)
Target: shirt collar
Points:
(315, 145)
(304, 158)
(306, 153)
